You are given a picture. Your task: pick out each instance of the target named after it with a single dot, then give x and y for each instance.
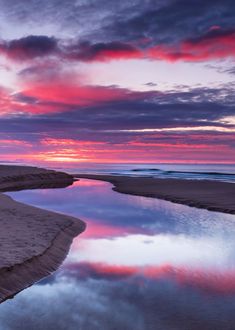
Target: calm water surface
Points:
(142, 264)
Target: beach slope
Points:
(33, 242)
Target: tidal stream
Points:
(142, 263)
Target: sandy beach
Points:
(33, 242)
(14, 178)
(210, 195)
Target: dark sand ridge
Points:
(211, 195)
(33, 242)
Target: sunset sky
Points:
(117, 81)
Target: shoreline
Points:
(15, 178)
(206, 194)
(34, 242)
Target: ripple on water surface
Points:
(142, 263)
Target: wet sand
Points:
(33, 242)
(211, 195)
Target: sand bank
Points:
(212, 195)
(33, 242)
(26, 177)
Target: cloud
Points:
(171, 22)
(47, 46)
(29, 47)
(120, 30)
(70, 94)
(105, 122)
(215, 44)
(209, 282)
(102, 51)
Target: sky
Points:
(148, 81)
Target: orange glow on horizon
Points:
(54, 151)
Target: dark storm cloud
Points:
(105, 122)
(175, 20)
(215, 33)
(123, 115)
(104, 30)
(196, 107)
(32, 47)
(147, 22)
(29, 47)
(101, 51)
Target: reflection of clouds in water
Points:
(191, 287)
(70, 304)
(124, 213)
(209, 282)
(173, 249)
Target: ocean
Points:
(219, 172)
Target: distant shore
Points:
(33, 242)
(207, 194)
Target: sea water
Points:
(220, 172)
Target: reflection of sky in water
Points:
(141, 264)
